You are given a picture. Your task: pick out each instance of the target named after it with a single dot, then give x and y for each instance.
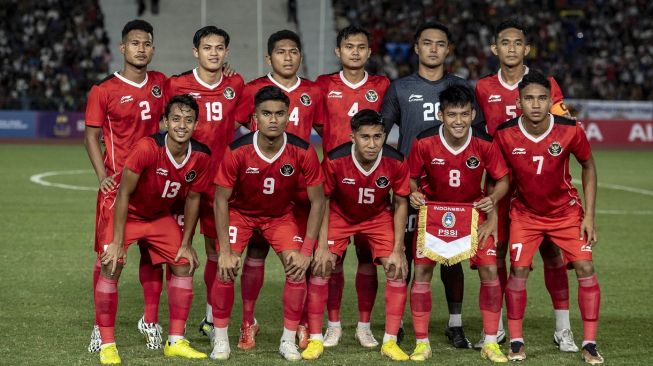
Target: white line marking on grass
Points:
(619, 187)
(624, 212)
(38, 179)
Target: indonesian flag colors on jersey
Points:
(498, 100)
(306, 105)
(357, 194)
(343, 100)
(162, 180)
(450, 175)
(126, 112)
(266, 186)
(217, 104)
(540, 165)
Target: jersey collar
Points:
(287, 90)
(124, 79)
(360, 168)
(202, 83)
(276, 156)
(349, 84)
(540, 137)
(508, 86)
(451, 149)
(172, 159)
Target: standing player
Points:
(256, 185)
(345, 93)
(451, 160)
(306, 112)
(123, 108)
(412, 103)
(497, 96)
(369, 173)
(217, 94)
(158, 171)
(537, 147)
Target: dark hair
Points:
(137, 24)
(534, 77)
(349, 31)
(456, 96)
(366, 117)
(510, 23)
(271, 92)
(432, 25)
(208, 31)
(280, 36)
(184, 99)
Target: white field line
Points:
(39, 179)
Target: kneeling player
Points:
(450, 160)
(537, 147)
(160, 170)
(360, 176)
(256, 183)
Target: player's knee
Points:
(487, 273)
(584, 268)
(519, 272)
(182, 270)
(423, 273)
(106, 272)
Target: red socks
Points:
(294, 294)
(222, 300)
(151, 278)
(336, 287)
(210, 274)
(589, 301)
(106, 306)
(516, 304)
(395, 302)
(556, 281)
(251, 282)
(366, 286)
(489, 301)
(317, 298)
(180, 298)
(420, 308)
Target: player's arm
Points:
(398, 257)
(496, 190)
(191, 214)
(324, 261)
(94, 151)
(228, 262)
(587, 229)
(390, 109)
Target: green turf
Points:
(45, 279)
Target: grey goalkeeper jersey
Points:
(412, 103)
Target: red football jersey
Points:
(498, 100)
(267, 187)
(454, 175)
(163, 181)
(540, 166)
(358, 195)
(126, 112)
(306, 105)
(217, 103)
(342, 100)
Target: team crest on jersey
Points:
(448, 220)
(156, 91)
(472, 162)
(190, 176)
(305, 99)
(555, 148)
(287, 170)
(229, 93)
(371, 96)
(382, 181)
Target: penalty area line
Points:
(40, 179)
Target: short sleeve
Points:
(245, 107)
(581, 147)
(227, 173)
(96, 107)
(390, 109)
(311, 168)
(142, 156)
(401, 183)
(415, 163)
(169, 90)
(556, 92)
(203, 181)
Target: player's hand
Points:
(228, 70)
(417, 199)
(296, 265)
(112, 254)
(323, 260)
(588, 232)
(486, 204)
(396, 262)
(228, 265)
(108, 184)
(188, 252)
(488, 229)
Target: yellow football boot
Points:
(422, 352)
(314, 350)
(391, 349)
(182, 348)
(109, 355)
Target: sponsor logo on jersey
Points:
(472, 162)
(494, 98)
(156, 91)
(126, 98)
(382, 181)
(586, 248)
(251, 170)
(348, 181)
(297, 239)
(287, 170)
(195, 95)
(305, 99)
(229, 93)
(416, 98)
(437, 161)
(371, 96)
(491, 252)
(334, 94)
(448, 220)
(190, 176)
(555, 148)
(161, 171)
(519, 151)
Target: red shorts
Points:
(528, 230)
(104, 219)
(280, 232)
(377, 233)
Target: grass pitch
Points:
(46, 308)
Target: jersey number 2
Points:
(145, 113)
